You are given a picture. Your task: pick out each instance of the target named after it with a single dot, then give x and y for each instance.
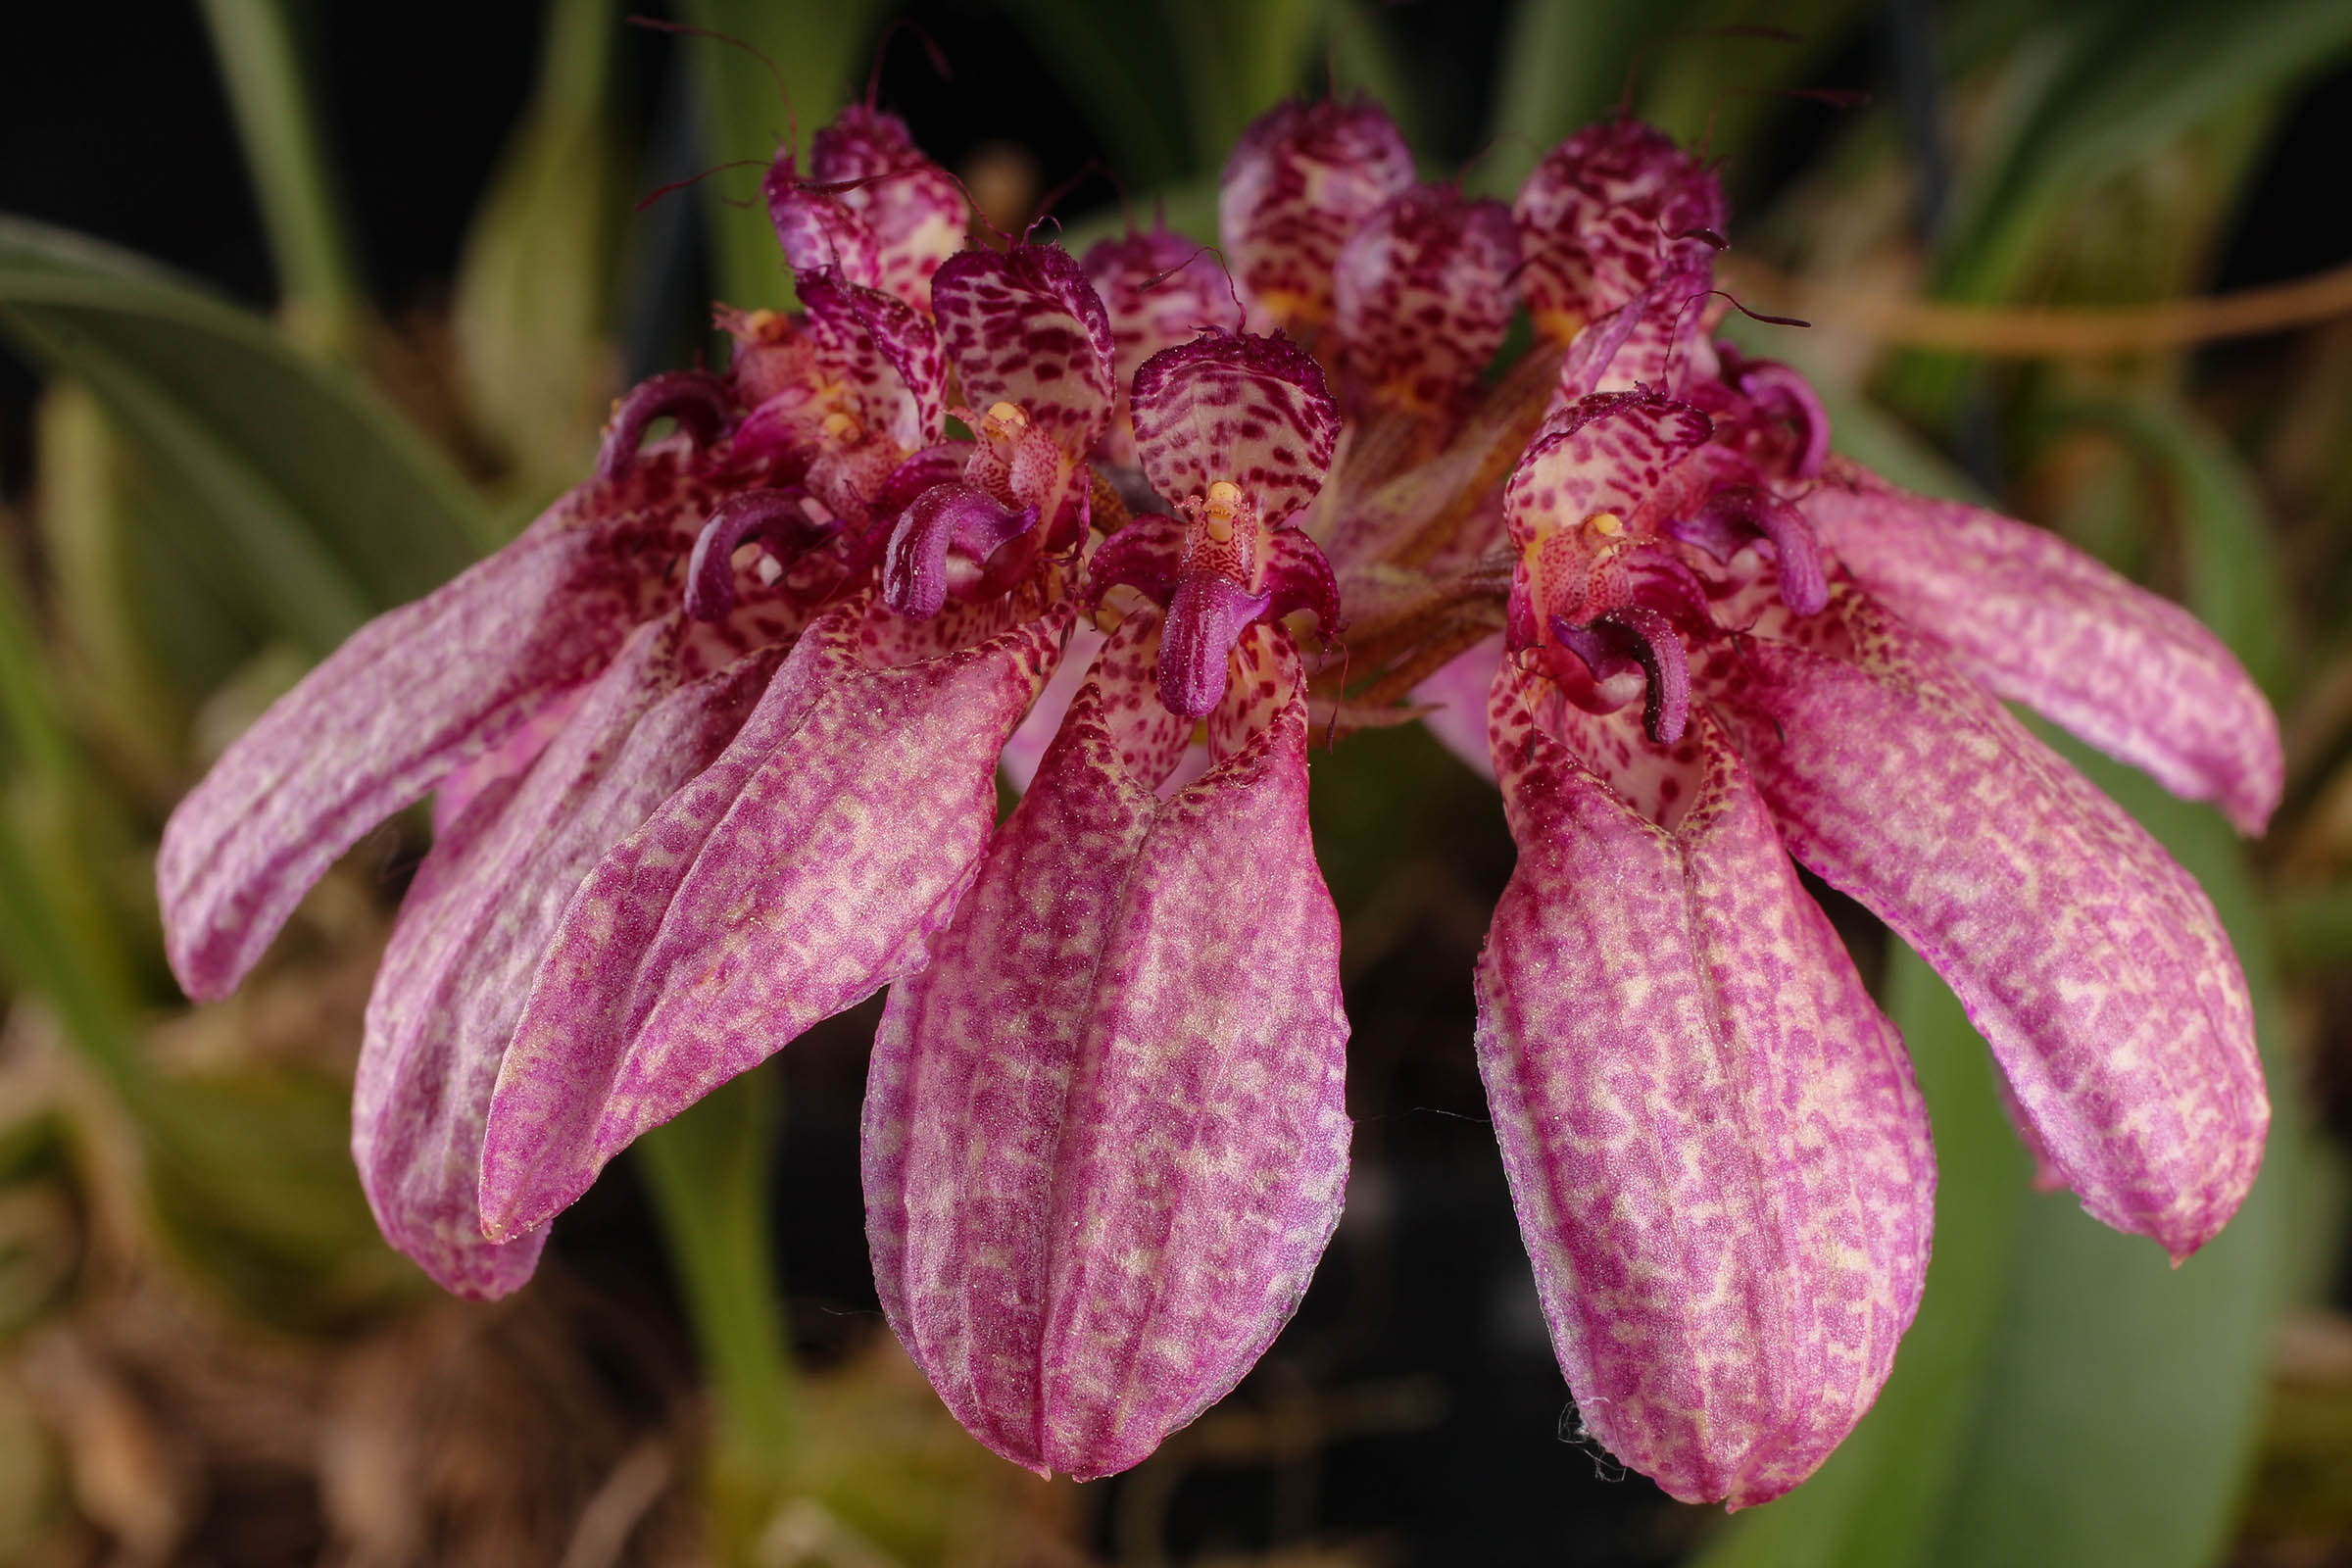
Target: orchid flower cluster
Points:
(712, 750)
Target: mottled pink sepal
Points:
(914, 209)
(796, 875)
(818, 231)
(1023, 327)
(1422, 295)
(1719, 1158)
(511, 758)
(1659, 343)
(1604, 215)
(883, 353)
(2039, 622)
(413, 695)
(475, 923)
(1158, 289)
(2090, 962)
(1240, 409)
(1302, 179)
(1605, 455)
(1105, 1137)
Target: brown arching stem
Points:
(2053, 332)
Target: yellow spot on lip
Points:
(1605, 524)
(1007, 414)
(1224, 501)
(841, 426)
(766, 325)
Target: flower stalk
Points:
(708, 1174)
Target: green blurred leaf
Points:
(38, 739)
(1238, 59)
(2089, 93)
(535, 290)
(2314, 929)
(60, 931)
(249, 1175)
(331, 504)
(51, 946)
(816, 50)
(706, 1173)
(142, 627)
(2129, 80)
(251, 1178)
(1722, 89)
(1363, 57)
(1568, 63)
(1564, 64)
(1112, 60)
(263, 67)
(2106, 508)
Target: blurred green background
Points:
(303, 307)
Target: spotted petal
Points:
(1422, 295)
(885, 351)
(1660, 342)
(1606, 453)
(1024, 326)
(1604, 215)
(1230, 406)
(1158, 289)
(473, 927)
(796, 875)
(2090, 962)
(1105, 1140)
(1302, 179)
(913, 208)
(1719, 1158)
(416, 693)
(2039, 622)
(1595, 466)
(820, 232)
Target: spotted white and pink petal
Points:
(1105, 1139)
(1720, 1162)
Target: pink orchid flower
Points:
(811, 863)
(1723, 648)
(1104, 1136)
(873, 208)
(1727, 650)
(555, 696)
(713, 745)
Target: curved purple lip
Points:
(1636, 634)
(699, 401)
(777, 519)
(915, 570)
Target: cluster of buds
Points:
(713, 746)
